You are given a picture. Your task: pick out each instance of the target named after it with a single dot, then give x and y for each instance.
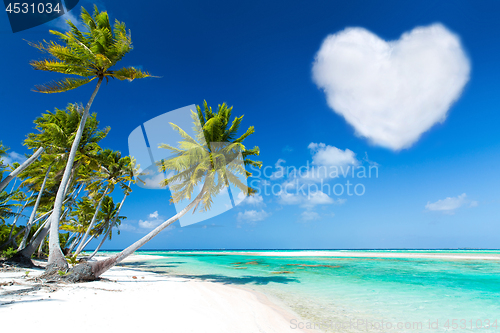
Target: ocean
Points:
(349, 293)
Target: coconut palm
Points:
(88, 55)
(7, 206)
(3, 152)
(114, 168)
(128, 175)
(196, 163)
(110, 218)
(55, 131)
(13, 174)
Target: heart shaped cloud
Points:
(392, 92)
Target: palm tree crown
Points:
(216, 156)
(89, 54)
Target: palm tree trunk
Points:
(56, 257)
(40, 248)
(9, 240)
(20, 168)
(33, 212)
(76, 241)
(13, 186)
(91, 225)
(112, 224)
(37, 238)
(101, 266)
(87, 243)
(42, 232)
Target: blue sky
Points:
(260, 57)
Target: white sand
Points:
(148, 303)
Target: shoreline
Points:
(130, 299)
(343, 254)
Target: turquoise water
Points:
(361, 294)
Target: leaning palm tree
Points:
(114, 170)
(7, 206)
(55, 132)
(20, 168)
(109, 216)
(202, 161)
(89, 55)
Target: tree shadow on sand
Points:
(249, 279)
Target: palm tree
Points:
(110, 218)
(196, 162)
(55, 131)
(114, 169)
(6, 205)
(90, 55)
(21, 168)
(3, 152)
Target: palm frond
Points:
(62, 85)
(129, 73)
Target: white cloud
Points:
(252, 216)
(320, 198)
(309, 216)
(152, 222)
(127, 227)
(290, 198)
(450, 204)
(255, 199)
(331, 156)
(12, 157)
(392, 92)
(328, 162)
(308, 201)
(153, 182)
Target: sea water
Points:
(352, 294)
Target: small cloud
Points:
(309, 201)
(255, 200)
(153, 182)
(331, 156)
(287, 149)
(127, 227)
(290, 199)
(13, 157)
(252, 216)
(450, 204)
(309, 216)
(153, 221)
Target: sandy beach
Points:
(131, 300)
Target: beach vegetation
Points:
(196, 163)
(86, 55)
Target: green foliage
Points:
(3, 152)
(8, 253)
(7, 206)
(88, 54)
(205, 158)
(72, 260)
